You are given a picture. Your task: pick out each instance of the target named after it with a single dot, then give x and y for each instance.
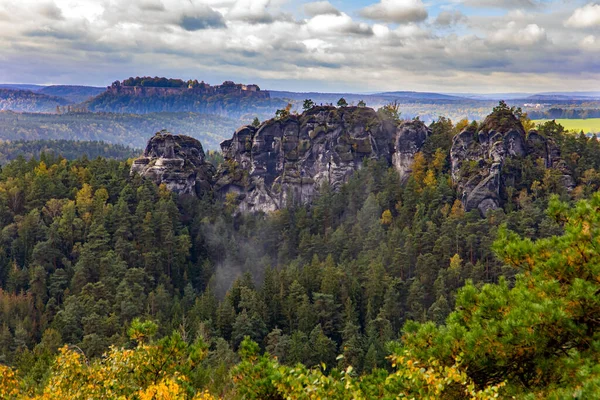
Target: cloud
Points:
(327, 24)
(251, 11)
(151, 5)
(512, 36)
(204, 17)
(585, 17)
(449, 18)
(50, 10)
(396, 11)
(320, 8)
(330, 50)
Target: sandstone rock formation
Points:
(410, 139)
(478, 155)
(290, 159)
(177, 161)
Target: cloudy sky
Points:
(358, 45)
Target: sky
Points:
(451, 46)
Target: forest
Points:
(126, 129)
(28, 101)
(68, 149)
(565, 113)
(112, 287)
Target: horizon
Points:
(594, 94)
(358, 46)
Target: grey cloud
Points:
(151, 5)
(396, 11)
(57, 33)
(251, 11)
(50, 10)
(203, 18)
(449, 18)
(320, 8)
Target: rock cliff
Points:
(479, 154)
(290, 159)
(177, 161)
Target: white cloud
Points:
(320, 8)
(252, 11)
(327, 24)
(512, 36)
(585, 17)
(396, 11)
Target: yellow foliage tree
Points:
(419, 168)
(430, 180)
(386, 218)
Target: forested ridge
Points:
(125, 129)
(68, 149)
(112, 287)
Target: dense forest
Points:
(68, 149)
(125, 129)
(565, 113)
(147, 81)
(113, 287)
(229, 104)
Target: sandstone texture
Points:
(177, 161)
(478, 155)
(290, 159)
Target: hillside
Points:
(126, 129)
(28, 101)
(74, 94)
(148, 95)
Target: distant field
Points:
(590, 125)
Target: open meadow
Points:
(589, 125)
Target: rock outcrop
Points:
(290, 159)
(177, 161)
(478, 156)
(410, 138)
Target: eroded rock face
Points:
(178, 161)
(290, 159)
(410, 138)
(478, 156)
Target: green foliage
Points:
(147, 81)
(308, 104)
(391, 111)
(88, 251)
(540, 332)
(45, 149)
